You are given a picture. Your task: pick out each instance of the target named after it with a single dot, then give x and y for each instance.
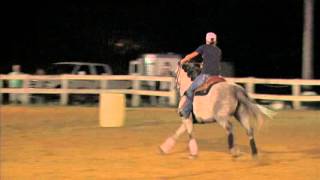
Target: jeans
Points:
(190, 94)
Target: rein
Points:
(177, 77)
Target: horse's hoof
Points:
(161, 151)
(192, 157)
(235, 152)
(193, 147)
(255, 157)
(167, 145)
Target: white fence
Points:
(64, 90)
(296, 86)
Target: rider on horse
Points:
(211, 55)
(218, 104)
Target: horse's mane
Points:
(192, 69)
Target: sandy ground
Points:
(67, 143)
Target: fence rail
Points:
(65, 90)
(249, 83)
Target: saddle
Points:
(205, 87)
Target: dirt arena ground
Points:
(67, 143)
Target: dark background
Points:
(263, 38)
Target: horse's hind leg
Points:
(244, 117)
(223, 121)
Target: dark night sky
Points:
(263, 38)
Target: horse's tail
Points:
(256, 110)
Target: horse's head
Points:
(185, 74)
(192, 69)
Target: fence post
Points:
(153, 99)
(103, 84)
(135, 101)
(25, 98)
(64, 96)
(296, 90)
(173, 97)
(250, 86)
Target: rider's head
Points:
(211, 38)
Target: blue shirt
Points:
(211, 59)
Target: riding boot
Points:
(185, 105)
(186, 110)
(182, 104)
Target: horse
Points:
(218, 102)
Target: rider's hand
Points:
(181, 62)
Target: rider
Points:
(211, 55)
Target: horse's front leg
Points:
(168, 144)
(193, 146)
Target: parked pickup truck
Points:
(79, 68)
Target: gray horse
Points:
(215, 103)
